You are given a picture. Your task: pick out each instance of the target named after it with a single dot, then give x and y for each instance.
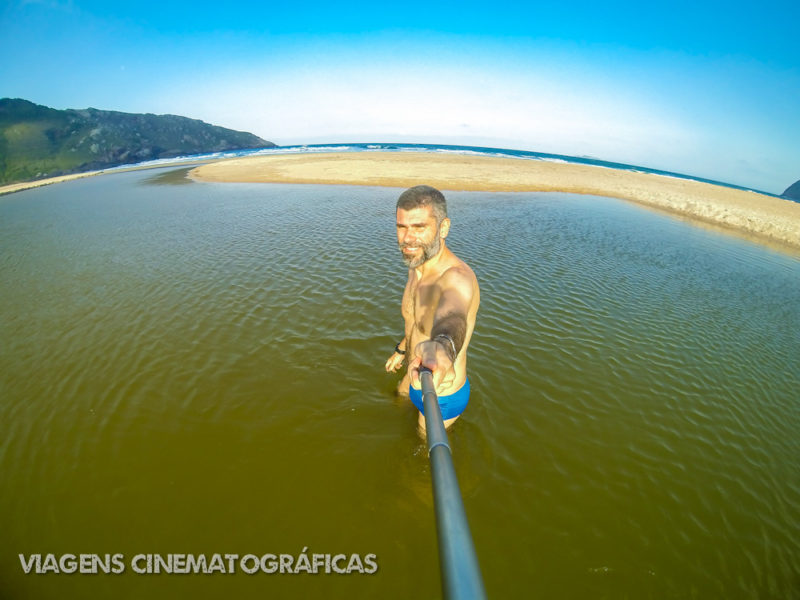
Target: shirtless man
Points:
(439, 304)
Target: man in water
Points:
(439, 304)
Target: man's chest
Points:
(420, 302)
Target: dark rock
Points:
(793, 191)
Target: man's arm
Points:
(397, 359)
(449, 329)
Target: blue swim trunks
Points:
(451, 406)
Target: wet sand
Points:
(764, 218)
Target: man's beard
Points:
(428, 251)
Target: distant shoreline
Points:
(27, 185)
(764, 218)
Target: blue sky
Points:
(710, 89)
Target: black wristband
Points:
(397, 349)
(449, 345)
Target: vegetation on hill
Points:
(37, 141)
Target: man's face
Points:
(418, 235)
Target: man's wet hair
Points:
(424, 195)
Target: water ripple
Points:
(634, 409)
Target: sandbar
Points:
(764, 218)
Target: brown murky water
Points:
(197, 369)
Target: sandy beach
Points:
(764, 218)
(27, 185)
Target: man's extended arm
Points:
(448, 332)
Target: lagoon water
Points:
(197, 368)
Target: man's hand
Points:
(395, 362)
(433, 355)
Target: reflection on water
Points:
(171, 177)
(198, 369)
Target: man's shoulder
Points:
(458, 275)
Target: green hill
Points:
(37, 141)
